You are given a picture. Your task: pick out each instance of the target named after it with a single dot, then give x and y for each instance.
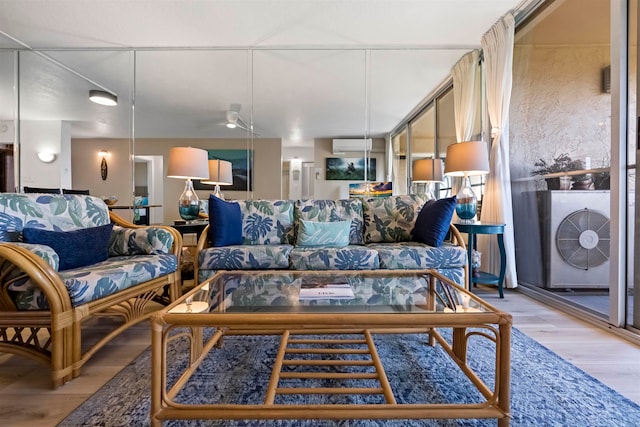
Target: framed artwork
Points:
(346, 168)
(370, 189)
(242, 169)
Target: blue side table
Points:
(474, 228)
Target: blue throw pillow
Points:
(433, 221)
(225, 222)
(314, 233)
(76, 248)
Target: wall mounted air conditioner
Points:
(342, 146)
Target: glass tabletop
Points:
(394, 291)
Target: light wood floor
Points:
(27, 400)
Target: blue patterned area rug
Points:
(546, 390)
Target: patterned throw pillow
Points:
(391, 219)
(76, 248)
(332, 234)
(267, 222)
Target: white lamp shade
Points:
(427, 170)
(467, 158)
(220, 173)
(188, 162)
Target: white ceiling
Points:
(301, 69)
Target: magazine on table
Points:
(319, 290)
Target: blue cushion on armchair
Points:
(433, 221)
(76, 248)
(225, 222)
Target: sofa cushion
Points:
(51, 211)
(225, 222)
(139, 241)
(352, 257)
(315, 233)
(391, 219)
(267, 222)
(414, 255)
(433, 221)
(332, 210)
(95, 281)
(76, 248)
(244, 257)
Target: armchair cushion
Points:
(76, 248)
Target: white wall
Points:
(45, 135)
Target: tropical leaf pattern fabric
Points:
(59, 212)
(267, 222)
(139, 241)
(414, 255)
(351, 257)
(391, 219)
(252, 293)
(332, 210)
(245, 257)
(92, 282)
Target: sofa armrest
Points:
(203, 243)
(456, 239)
(16, 257)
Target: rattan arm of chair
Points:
(456, 238)
(40, 273)
(203, 243)
(176, 249)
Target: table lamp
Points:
(466, 159)
(427, 171)
(220, 173)
(188, 163)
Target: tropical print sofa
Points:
(65, 258)
(360, 234)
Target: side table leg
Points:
(503, 264)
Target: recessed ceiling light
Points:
(103, 98)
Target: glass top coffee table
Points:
(327, 315)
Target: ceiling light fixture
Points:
(103, 98)
(232, 119)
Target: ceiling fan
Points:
(234, 120)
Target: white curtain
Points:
(466, 92)
(466, 85)
(497, 46)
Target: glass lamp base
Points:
(218, 193)
(466, 203)
(188, 203)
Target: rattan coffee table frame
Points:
(491, 324)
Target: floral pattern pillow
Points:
(332, 210)
(267, 222)
(391, 219)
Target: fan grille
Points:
(583, 239)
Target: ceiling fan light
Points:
(103, 98)
(231, 125)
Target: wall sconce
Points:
(103, 164)
(46, 156)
